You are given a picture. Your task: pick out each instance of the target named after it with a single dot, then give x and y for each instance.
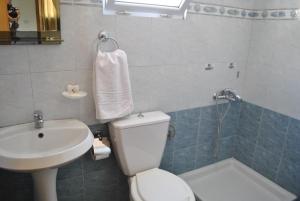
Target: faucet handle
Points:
(38, 114)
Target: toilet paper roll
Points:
(99, 157)
(101, 149)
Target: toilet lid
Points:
(160, 185)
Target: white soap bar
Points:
(73, 88)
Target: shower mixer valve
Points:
(227, 94)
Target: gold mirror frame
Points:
(48, 24)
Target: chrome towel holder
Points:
(103, 36)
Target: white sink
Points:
(42, 151)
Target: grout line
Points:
(173, 144)
(198, 135)
(257, 137)
(31, 81)
(284, 146)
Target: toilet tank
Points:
(139, 141)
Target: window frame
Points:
(113, 7)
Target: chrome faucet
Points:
(38, 119)
(227, 94)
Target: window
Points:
(147, 8)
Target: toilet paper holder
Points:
(98, 134)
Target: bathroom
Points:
(175, 66)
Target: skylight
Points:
(147, 8)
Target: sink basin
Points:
(42, 151)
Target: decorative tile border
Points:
(227, 11)
(220, 10)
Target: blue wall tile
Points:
(289, 176)
(204, 155)
(209, 113)
(292, 149)
(269, 142)
(265, 162)
(271, 138)
(187, 123)
(184, 159)
(244, 150)
(227, 147)
(70, 170)
(277, 121)
(70, 189)
(249, 121)
(207, 131)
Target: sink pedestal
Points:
(45, 184)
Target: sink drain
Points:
(41, 135)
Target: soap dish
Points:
(74, 96)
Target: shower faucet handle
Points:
(227, 94)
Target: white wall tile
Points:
(167, 41)
(272, 76)
(16, 99)
(167, 60)
(89, 22)
(134, 36)
(87, 105)
(14, 59)
(47, 92)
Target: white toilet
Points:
(139, 143)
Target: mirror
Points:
(30, 22)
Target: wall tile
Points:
(289, 176)
(165, 46)
(91, 21)
(100, 186)
(66, 190)
(271, 138)
(135, 43)
(265, 162)
(61, 58)
(187, 123)
(249, 121)
(109, 164)
(87, 104)
(292, 149)
(204, 154)
(15, 186)
(244, 150)
(184, 159)
(226, 147)
(275, 120)
(14, 59)
(47, 91)
(73, 169)
(209, 113)
(16, 99)
(207, 131)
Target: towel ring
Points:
(104, 37)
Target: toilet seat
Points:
(159, 185)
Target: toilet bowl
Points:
(138, 143)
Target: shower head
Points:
(227, 94)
